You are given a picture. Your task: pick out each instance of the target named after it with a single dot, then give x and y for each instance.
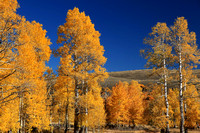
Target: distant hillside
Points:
(144, 76)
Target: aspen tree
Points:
(118, 104)
(187, 66)
(64, 98)
(192, 102)
(94, 103)
(136, 108)
(125, 104)
(174, 104)
(184, 43)
(30, 66)
(159, 57)
(27, 86)
(81, 54)
(50, 78)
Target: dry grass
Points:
(173, 130)
(138, 129)
(144, 76)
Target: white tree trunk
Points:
(21, 113)
(166, 98)
(181, 94)
(185, 105)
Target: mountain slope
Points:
(144, 76)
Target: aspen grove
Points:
(78, 98)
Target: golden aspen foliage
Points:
(191, 97)
(148, 105)
(193, 107)
(94, 103)
(175, 109)
(126, 104)
(118, 104)
(8, 6)
(96, 113)
(9, 21)
(64, 100)
(9, 32)
(160, 49)
(9, 115)
(27, 83)
(30, 66)
(84, 46)
(185, 42)
(157, 107)
(136, 103)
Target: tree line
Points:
(34, 98)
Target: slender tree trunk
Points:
(24, 123)
(181, 94)
(166, 99)
(51, 106)
(66, 114)
(81, 129)
(76, 111)
(2, 92)
(51, 124)
(86, 111)
(51, 121)
(82, 109)
(174, 122)
(185, 107)
(59, 123)
(98, 129)
(21, 113)
(86, 128)
(76, 128)
(66, 118)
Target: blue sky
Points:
(123, 24)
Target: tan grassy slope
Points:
(144, 76)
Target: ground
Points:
(146, 130)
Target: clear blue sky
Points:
(123, 24)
